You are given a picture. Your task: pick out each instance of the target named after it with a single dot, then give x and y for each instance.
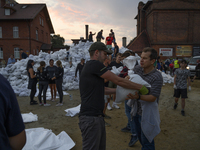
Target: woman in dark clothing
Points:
(42, 74)
(51, 72)
(32, 81)
(59, 80)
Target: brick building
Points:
(169, 26)
(23, 26)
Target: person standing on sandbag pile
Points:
(51, 69)
(92, 90)
(32, 81)
(146, 116)
(79, 67)
(42, 74)
(100, 36)
(59, 80)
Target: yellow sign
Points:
(184, 50)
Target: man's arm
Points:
(175, 79)
(148, 98)
(109, 91)
(77, 68)
(17, 142)
(121, 81)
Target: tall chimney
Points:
(86, 32)
(124, 41)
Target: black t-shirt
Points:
(114, 63)
(59, 73)
(24, 55)
(51, 71)
(92, 88)
(90, 38)
(11, 123)
(79, 68)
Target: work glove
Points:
(175, 86)
(143, 90)
(189, 88)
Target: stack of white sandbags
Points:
(17, 74)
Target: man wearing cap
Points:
(92, 90)
(90, 36)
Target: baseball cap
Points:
(99, 46)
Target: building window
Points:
(0, 32)
(16, 53)
(15, 32)
(1, 53)
(7, 12)
(42, 22)
(36, 34)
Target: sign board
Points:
(196, 50)
(166, 51)
(184, 50)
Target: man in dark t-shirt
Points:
(116, 50)
(12, 133)
(91, 121)
(23, 55)
(79, 67)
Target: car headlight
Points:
(188, 68)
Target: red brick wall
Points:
(7, 42)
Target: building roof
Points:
(140, 42)
(26, 12)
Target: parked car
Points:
(192, 64)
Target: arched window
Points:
(36, 34)
(0, 32)
(16, 53)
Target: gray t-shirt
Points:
(181, 78)
(154, 78)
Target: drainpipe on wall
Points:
(29, 30)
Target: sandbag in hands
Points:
(121, 93)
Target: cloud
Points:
(70, 17)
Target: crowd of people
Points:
(51, 75)
(98, 87)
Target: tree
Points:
(57, 41)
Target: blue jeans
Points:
(131, 123)
(146, 145)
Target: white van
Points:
(192, 64)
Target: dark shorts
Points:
(52, 81)
(93, 132)
(180, 92)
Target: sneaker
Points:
(182, 112)
(115, 105)
(40, 104)
(133, 140)
(47, 104)
(107, 117)
(109, 107)
(175, 105)
(59, 104)
(107, 124)
(126, 129)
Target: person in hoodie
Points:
(42, 75)
(59, 80)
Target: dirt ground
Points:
(177, 132)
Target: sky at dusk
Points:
(69, 17)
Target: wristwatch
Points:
(138, 97)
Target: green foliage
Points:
(57, 40)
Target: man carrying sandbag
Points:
(91, 121)
(146, 117)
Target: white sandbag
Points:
(121, 93)
(116, 70)
(29, 117)
(73, 111)
(130, 61)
